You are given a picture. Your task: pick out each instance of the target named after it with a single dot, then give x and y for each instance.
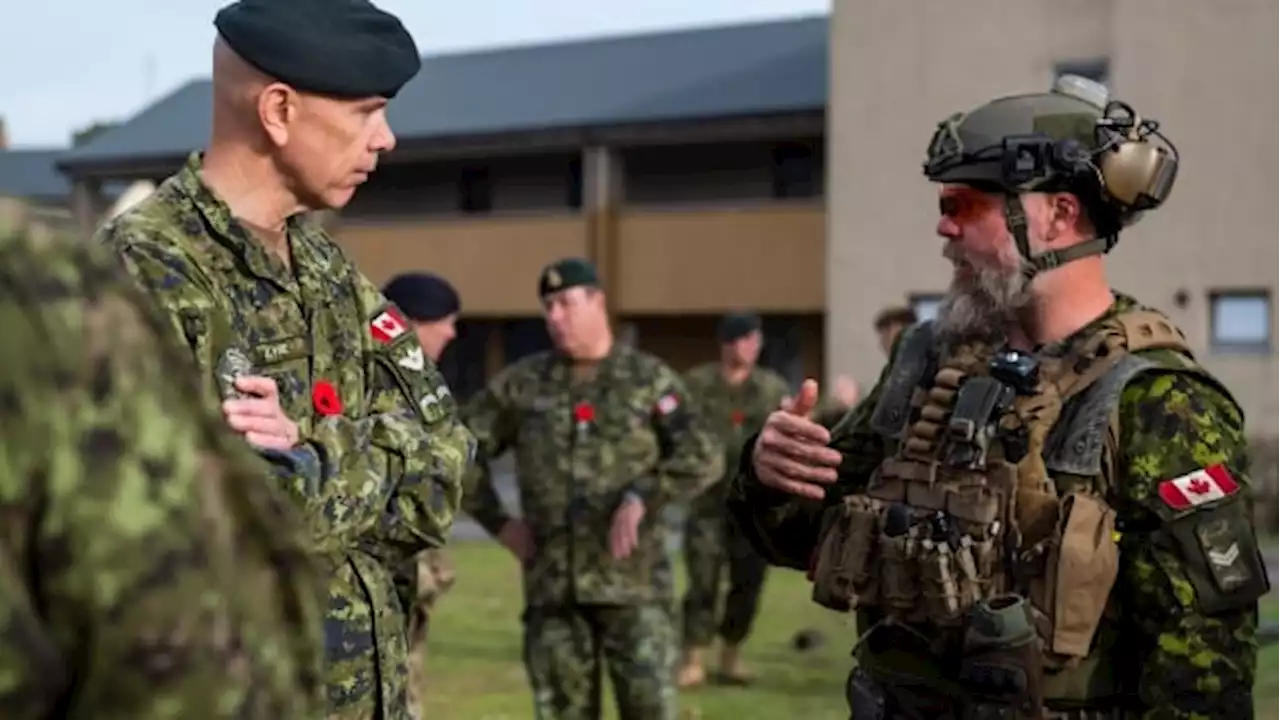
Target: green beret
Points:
(565, 274)
(340, 48)
(737, 325)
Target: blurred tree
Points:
(87, 134)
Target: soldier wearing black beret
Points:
(431, 304)
(328, 378)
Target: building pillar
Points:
(602, 191)
(86, 205)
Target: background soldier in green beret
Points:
(304, 352)
(1042, 509)
(604, 440)
(147, 569)
(432, 306)
(734, 396)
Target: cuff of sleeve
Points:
(300, 463)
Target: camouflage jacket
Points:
(1171, 654)
(580, 446)
(146, 570)
(380, 463)
(734, 412)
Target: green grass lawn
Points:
(476, 673)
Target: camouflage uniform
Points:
(379, 428)
(711, 542)
(146, 570)
(430, 576)
(1064, 533)
(1166, 646)
(581, 444)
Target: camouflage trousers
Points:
(434, 575)
(565, 648)
(712, 544)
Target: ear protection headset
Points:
(1125, 173)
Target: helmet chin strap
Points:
(1015, 217)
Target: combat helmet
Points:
(1070, 139)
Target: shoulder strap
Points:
(1123, 334)
(913, 362)
(1076, 443)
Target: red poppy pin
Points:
(325, 398)
(584, 413)
(737, 417)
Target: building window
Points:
(1095, 69)
(926, 305)
(1240, 321)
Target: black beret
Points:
(422, 296)
(567, 273)
(737, 325)
(340, 48)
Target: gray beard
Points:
(982, 311)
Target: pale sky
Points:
(67, 63)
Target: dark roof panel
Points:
(727, 71)
(30, 174)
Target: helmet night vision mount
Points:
(1099, 149)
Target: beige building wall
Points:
(1207, 71)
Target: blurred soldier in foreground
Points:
(604, 440)
(431, 304)
(147, 569)
(327, 369)
(1042, 509)
(733, 396)
(890, 323)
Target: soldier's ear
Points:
(1064, 214)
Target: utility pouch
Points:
(899, 588)
(1000, 666)
(844, 576)
(1081, 564)
(940, 583)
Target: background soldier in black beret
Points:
(432, 305)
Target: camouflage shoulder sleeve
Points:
(146, 571)
(784, 528)
(408, 452)
(172, 281)
(1190, 573)
(691, 457)
(490, 417)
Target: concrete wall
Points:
(1206, 71)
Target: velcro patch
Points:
(413, 359)
(388, 325)
(1197, 488)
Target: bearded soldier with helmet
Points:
(1042, 510)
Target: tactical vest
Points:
(994, 492)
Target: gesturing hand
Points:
(791, 453)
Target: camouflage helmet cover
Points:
(971, 147)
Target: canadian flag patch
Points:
(1197, 488)
(388, 325)
(667, 404)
